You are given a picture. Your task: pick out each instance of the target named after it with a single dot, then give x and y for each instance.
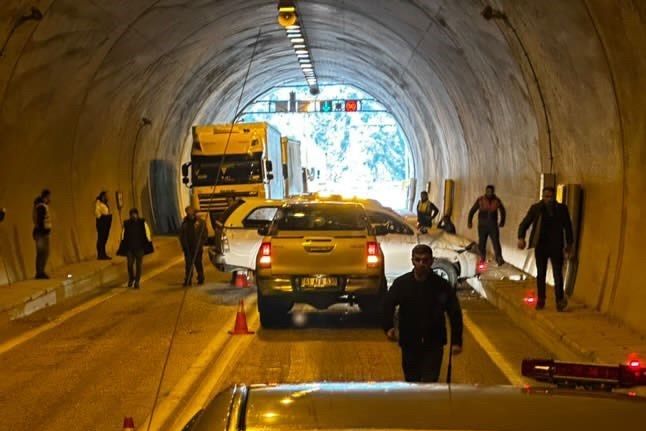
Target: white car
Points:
(237, 241)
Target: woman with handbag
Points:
(136, 242)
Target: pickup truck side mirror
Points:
(381, 230)
(263, 231)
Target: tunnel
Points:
(101, 96)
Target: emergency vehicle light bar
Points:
(573, 373)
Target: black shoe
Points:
(130, 283)
(187, 283)
(561, 305)
(540, 305)
(42, 276)
(136, 286)
(200, 281)
(104, 258)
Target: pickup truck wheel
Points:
(446, 270)
(273, 312)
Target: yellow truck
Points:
(230, 161)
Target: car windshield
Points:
(228, 169)
(321, 217)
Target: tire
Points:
(273, 312)
(446, 270)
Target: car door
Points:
(396, 245)
(244, 241)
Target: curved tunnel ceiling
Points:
(75, 86)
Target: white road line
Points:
(481, 338)
(22, 338)
(223, 347)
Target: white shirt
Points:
(101, 209)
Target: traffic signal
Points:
(326, 106)
(351, 106)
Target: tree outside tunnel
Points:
(350, 143)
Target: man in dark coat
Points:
(136, 241)
(488, 206)
(423, 299)
(550, 223)
(193, 236)
(103, 224)
(42, 231)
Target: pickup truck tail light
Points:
(373, 254)
(264, 255)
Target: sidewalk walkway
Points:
(23, 298)
(579, 334)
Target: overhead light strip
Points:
(288, 19)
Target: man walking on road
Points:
(488, 207)
(426, 211)
(423, 299)
(136, 241)
(550, 222)
(193, 236)
(41, 232)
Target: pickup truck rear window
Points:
(321, 217)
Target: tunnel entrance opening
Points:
(350, 143)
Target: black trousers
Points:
(102, 233)
(135, 260)
(42, 253)
(422, 363)
(188, 265)
(555, 256)
(489, 230)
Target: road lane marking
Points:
(221, 351)
(23, 338)
(496, 357)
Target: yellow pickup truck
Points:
(318, 253)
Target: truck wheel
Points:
(446, 270)
(273, 312)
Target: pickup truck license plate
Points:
(318, 282)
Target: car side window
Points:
(393, 225)
(259, 217)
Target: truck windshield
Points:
(227, 169)
(321, 217)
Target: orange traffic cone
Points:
(240, 327)
(128, 424)
(241, 280)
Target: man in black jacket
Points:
(41, 232)
(136, 241)
(550, 222)
(193, 236)
(423, 298)
(488, 206)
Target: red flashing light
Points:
(372, 248)
(593, 375)
(351, 106)
(264, 255)
(634, 364)
(481, 267)
(530, 298)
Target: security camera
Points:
(314, 91)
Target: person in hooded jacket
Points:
(552, 239)
(193, 236)
(103, 224)
(136, 241)
(488, 206)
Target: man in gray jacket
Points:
(552, 239)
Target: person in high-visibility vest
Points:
(426, 211)
(488, 206)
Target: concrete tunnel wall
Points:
(75, 86)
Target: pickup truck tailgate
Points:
(336, 253)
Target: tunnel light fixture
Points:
(288, 18)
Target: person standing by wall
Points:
(488, 206)
(193, 236)
(136, 241)
(424, 299)
(552, 238)
(103, 224)
(426, 211)
(42, 230)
